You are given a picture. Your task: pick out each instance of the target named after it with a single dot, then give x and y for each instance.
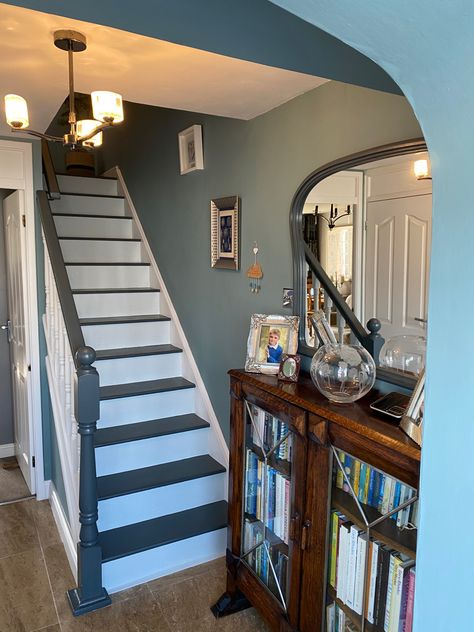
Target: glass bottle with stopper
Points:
(255, 273)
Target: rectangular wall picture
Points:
(225, 231)
(190, 149)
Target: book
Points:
(351, 565)
(360, 572)
(372, 486)
(342, 566)
(381, 585)
(333, 550)
(381, 491)
(330, 617)
(390, 603)
(339, 474)
(401, 569)
(362, 477)
(355, 475)
(410, 600)
(387, 491)
(348, 460)
(373, 580)
(404, 598)
(286, 510)
(396, 498)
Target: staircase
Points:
(161, 481)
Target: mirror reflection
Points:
(370, 228)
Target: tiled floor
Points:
(34, 575)
(12, 483)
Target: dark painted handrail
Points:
(49, 173)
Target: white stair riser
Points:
(93, 251)
(93, 227)
(139, 368)
(136, 454)
(85, 205)
(153, 503)
(93, 186)
(127, 335)
(164, 560)
(97, 276)
(117, 304)
(127, 410)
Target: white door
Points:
(15, 251)
(398, 242)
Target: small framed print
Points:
(269, 338)
(225, 231)
(190, 149)
(412, 420)
(289, 368)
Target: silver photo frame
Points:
(412, 420)
(282, 331)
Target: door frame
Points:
(22, 178)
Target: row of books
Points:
(387, 592)
(337, 621)
(267, 495)
(259, 558)
(266, 431)
(377, 489)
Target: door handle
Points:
(8, 328)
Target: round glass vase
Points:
(343, 373)
(404, 354)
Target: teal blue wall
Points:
(263, 161)
(428, 48)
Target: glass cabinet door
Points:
(372, 549)
(266, 502)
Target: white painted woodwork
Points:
(127, 334)
(93, 186)
(395, 179)
(153, 503)
(13, 166)
(97, 276)
(96, 251)
(164, 560)
(139, 368)
(136, 454)
(15, 253)
(118, 304)
(397, 266)
(93, 227)
(342, 188)
(127, 410)
(88, 205)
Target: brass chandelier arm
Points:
(96, 130)
(32, 132)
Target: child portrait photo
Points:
(269, 339)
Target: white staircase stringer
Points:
(217, 446)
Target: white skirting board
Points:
(64, 531)
(6, 450)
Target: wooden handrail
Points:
(49, 173)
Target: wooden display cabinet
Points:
(287, 442)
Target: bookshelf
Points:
(318, 492)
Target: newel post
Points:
(90, 594)
(374, 339)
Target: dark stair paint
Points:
(144, 388)
(143, 536)
(118, 320)
(91, 215)
(100, 238)
(148, 429)
(135, 481)
(115, 290)
(94, 195)
(105, 263)
(132, 352)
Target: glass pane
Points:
(266, 504)
(372, 549)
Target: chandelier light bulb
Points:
(107, 106)
(421, 169)
(16, 111)
(85, 127)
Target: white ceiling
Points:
(142, 69)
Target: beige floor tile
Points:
(17, 529)
(59, 572)
(12, 483)
(44, 521)
(25, 597)
(50, 628)
(194, 571)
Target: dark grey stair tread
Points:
(143, 536)
(131, 352)
(100, 238)
(118, 320)
(91, 215)
(134, 481)
(115, 290)
(106, 263)
(147, 429)
(94, 195)
(144, 388)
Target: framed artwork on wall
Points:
(225, 232)
(190, 149)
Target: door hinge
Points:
(29, 368)
(23, 219)
(33, 461)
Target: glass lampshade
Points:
(421, 168)
(16, 111)
(85, 127)
(107, 106)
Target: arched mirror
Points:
(361, 232)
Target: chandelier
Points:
(107, 107)
(334, 215)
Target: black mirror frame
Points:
(296, 231)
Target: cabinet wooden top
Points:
(357, 417)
